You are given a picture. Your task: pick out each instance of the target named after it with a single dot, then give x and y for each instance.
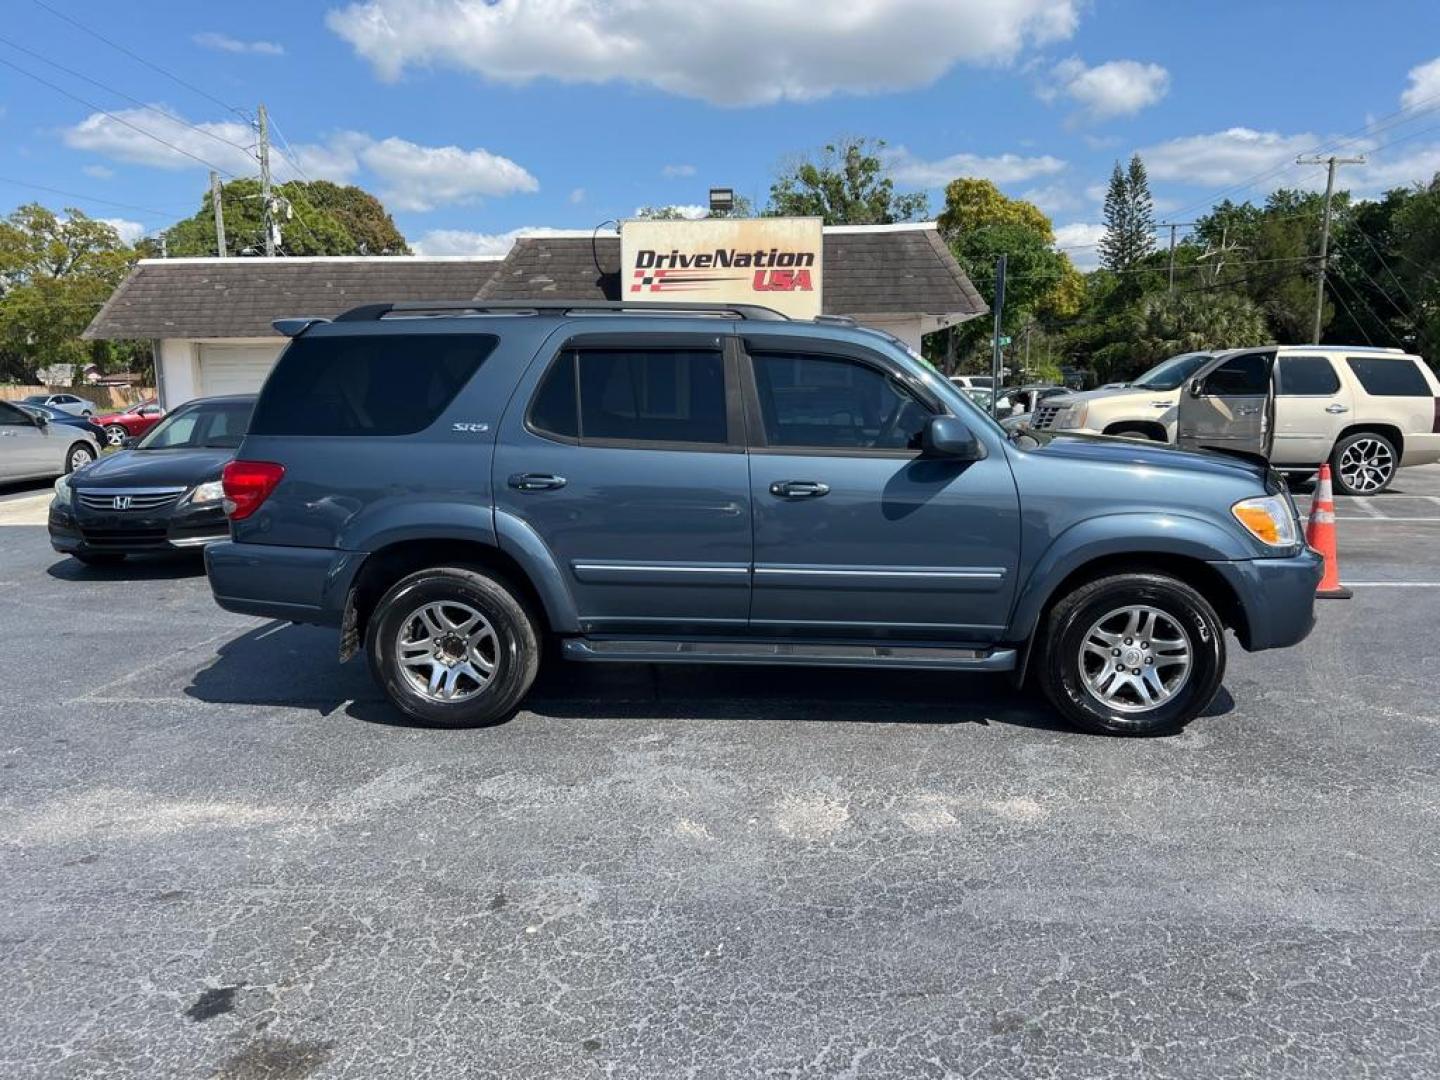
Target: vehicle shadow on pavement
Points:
(295, 666)
(163, 567)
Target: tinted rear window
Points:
(1307, 376)
(1389, 378)
(384, 384)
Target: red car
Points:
(136, 421)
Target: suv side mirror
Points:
(1195, 388)
(948, 437)
(41, 420)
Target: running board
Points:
(814, 654)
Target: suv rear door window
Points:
(634, 396)
(376, 384)
(1307, 376)
(1389, 378)
(835, 404)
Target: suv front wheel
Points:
(452, 647)
(1132, 654)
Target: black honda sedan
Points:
(161, 494)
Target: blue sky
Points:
(476, 118)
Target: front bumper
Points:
(296, 584)
(185, 526)
(1277, 597)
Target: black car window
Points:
(1389, 378)
(1240, 376)
(1306, 376)
(834, 403)
(633, 396)
(215, 425)
(375, 384)
(13, 414)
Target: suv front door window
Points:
(847, 510)
(626, 458)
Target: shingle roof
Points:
(220, 298)
(867, 272)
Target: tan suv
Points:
(1367, 411)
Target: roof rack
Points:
(375, 312)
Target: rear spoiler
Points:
(294, 327)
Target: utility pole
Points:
(1332, 161)
(1173, 226)
(267, 210)
(219, 213)
(995, 364)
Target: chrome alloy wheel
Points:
(1366, 465)
(80, 457)
(448, 651)
(114, 435)
(1135, 659)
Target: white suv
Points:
(1367, 411)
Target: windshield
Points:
(216, 426)
(1169, 374)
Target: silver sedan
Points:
(32, 448)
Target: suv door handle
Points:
(799, 489)
(530, 481)
(1335, 410)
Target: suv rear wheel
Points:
(1132, 654)
(452, 647)
(1363, 463)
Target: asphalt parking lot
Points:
(222, 855)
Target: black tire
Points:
(516, 646)
(99, 558)
(1061, 675)
(75, 450)
(1137, 432)
(1376, 478)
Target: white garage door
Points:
(235, 369)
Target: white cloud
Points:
(905, 168)
(1080, 240)
(1116, 88)
(424, 177)
(671, 172)
(226, 43)
(1424, 89)
(577, 196)
(706, 51)
(463, 242)
(99, 172)
(1053, 198)
(688, 211)
(129, 231)
(1384, 172)
(412, 177)
(1223, 157)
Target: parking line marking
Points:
(1373, 511)
(1393, 584)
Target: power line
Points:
(288, 153)
(90, 198)
(118, 119)
(140, 59)
(120, 93)
(1393, 277)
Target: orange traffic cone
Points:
(1320, 535)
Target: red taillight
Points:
(248, 484)
(1435, 427)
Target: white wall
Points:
(179, 376)
(908, 328)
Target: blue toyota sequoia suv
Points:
(451, 484)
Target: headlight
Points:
(1268, 519)
(63, 491)
(214, 491)
(1073, 416)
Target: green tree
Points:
(1417, 250)
(55, 273)
(743, 208)
(1165, 324)
(979, 224)
(323, 219)
(847, 184)
(1129, 218)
